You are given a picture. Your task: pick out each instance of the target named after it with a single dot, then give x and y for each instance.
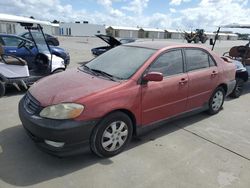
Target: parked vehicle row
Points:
(122, 93)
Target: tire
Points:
(196, 40)
(57, 71)
(2, 89)
(189, 41)
(216, 101)
(238, 88)
(203, 40)
(111, 135)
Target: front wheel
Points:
(111, 135)
(216, 101)
(238, 88)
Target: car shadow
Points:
(246, 89)
(23, 164)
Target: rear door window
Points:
(169, 63)
(196, 59)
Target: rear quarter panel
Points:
(227, 70)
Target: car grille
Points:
(31, 105)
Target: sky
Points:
(163, 14)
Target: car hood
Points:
(110, 40)
(59, 51)
(68, 86)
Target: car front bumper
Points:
(74, 134)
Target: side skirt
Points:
(142, 129)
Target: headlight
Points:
(62, 111)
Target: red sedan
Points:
(121, 93)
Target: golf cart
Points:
(240, 56)
(14, 71)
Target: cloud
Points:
(172, 10)
(136, 6)
(108, 6)
(211, 13)
(205, 14)
(178, 2)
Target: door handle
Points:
(183, 81)
(214, 73)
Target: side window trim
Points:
(214, 62)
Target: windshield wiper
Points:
(111, 77)
(89, 70)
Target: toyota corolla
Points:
(101, 105)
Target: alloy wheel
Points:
(114, 136)
(217, 100)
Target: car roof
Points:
(157, 45)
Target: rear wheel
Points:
(111, 135)
(2, 88)
(216, 101)
(203, 40)
(196, 40)
(238, 88)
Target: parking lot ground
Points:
(194, 152)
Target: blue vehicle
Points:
(21, 47)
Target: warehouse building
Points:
(233, 36)
(122, 32)
(15, 28)
(81, 29)
(173, 34)
(151, 33)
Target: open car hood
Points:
(110, 40)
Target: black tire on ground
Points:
(57, 71)
(216, 101)
(189, 41)
(111, 135)
(2, 89)
(203, 40)
(196, 40)
(238, 88)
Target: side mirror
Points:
(211, 42)
(153, 76)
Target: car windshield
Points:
(121, 62)
(38, 38)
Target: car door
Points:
(202, 76)
(161, 100)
